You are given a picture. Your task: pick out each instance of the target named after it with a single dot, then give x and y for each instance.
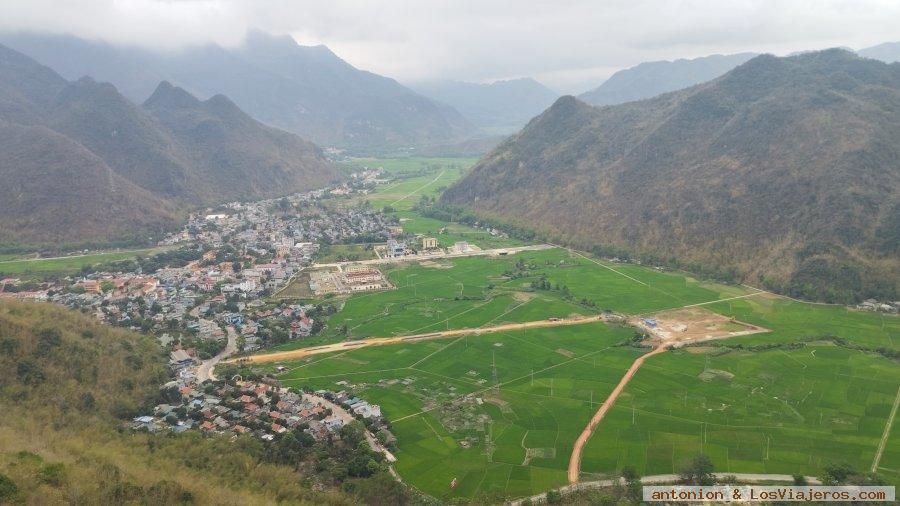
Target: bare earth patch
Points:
(678, 327)
(523, 296)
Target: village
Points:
(261, 409)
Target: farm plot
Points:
(499, 413)
(782, 411)
(691, 325)
(791, 320)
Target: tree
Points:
(554, 497)
(836, 473)
(699, 471)
(632, 483)
(8, 488)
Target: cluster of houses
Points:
(242, 251)
(884, 307)
(248, 407)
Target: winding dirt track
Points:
(575, 458)
(381, 341)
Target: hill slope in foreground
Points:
(783, 171)
(67, 381)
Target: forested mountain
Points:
(654, 78)
(500, 107)
(784, 171)
(307, 90)
(83, 163)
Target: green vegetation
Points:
(815, 390)
(785, 410)
(68, 383)
(728, 179)
(497, 412)
(344, 253)
(61, 266)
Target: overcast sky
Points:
(569, 45)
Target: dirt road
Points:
(338, 411)
(381, 341)
(205, 369)
(575, 459)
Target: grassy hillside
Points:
(782, 172)
(66, 382)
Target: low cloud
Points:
(565, 43)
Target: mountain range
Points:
(887, 52)
(783, 172)
(650, 79)
(81, 162)
(654, 78)
(307, 90)
(501, 107)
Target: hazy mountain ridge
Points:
(887, 52)
(499, 107)
(307, 90)
(783, 171)
(74, 149)
(649, 79)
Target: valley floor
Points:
(488, 406)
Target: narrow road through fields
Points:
(887, 433)
(575, 458)
(417, 190)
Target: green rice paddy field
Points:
(37, 267)
(780, 410)
(500, 412)
(442, 395)
(473, 292)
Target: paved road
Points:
(381, 341)
(575, 458)
(659, 479)
(205, 369)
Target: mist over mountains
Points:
(307, 90)
(501, 107)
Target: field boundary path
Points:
(417, 190)
(887, 433)
(575, 458)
